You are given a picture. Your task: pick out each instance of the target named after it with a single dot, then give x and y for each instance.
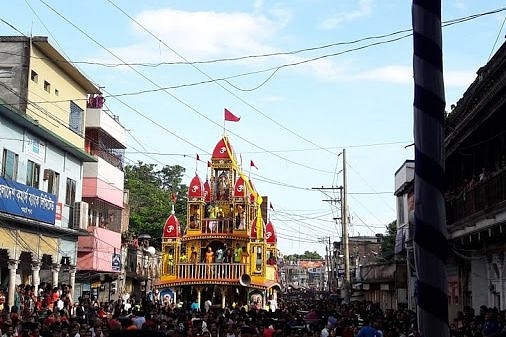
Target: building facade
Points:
(475, 179)
(103, 199)
(42, 111)
(475, 163)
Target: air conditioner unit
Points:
(80, 215)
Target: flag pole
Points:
(430, 240)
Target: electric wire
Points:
(170, 94)
(497, 38)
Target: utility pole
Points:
(344, 222)
(330, 258)
(331, 263)
(327, 259)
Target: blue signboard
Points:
(26, 201)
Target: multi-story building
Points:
(296, 276)
(42, 115)
(475, 173)
(373, 278)
(405, 196)
(475, 138)
(99, 253)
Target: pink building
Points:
(99, 253)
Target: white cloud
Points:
(401, 74)
(390, 74)
(461, 4)
(201, 35)
(458, 78)
(364, 9)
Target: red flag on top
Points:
(252, 164)
(231, 117)
(174, 197)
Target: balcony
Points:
(484, 196)
(205, 272)
(97, 118)
(104, 181)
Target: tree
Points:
(152, 193)
(388, 241)
(306, 256)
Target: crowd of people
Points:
(51, 311)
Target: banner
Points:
(116, 262)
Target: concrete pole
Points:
(36, 275)
(345, 239)
(72, 280)
(55, 269)
(13, 267)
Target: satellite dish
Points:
(151, 250)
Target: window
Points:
(32, 174)
(400, 210)
(34, 76)
(70, 193)
(9, 165)
(53, 182)
(76, 118)
(56, 92)
(47, 86)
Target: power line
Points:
(210, 78)
(292, 52)
(170, 94)
(497, 38)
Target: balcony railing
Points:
(206, 271)
(485, 194)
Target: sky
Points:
(308, 78)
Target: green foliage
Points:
(388, 241)
(306, 256)
(151, 192)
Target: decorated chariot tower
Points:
(228, 251)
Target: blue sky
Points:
(297, 114)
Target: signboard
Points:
(59, 211)
(28, 202)
(116, 262)
(59, 214)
